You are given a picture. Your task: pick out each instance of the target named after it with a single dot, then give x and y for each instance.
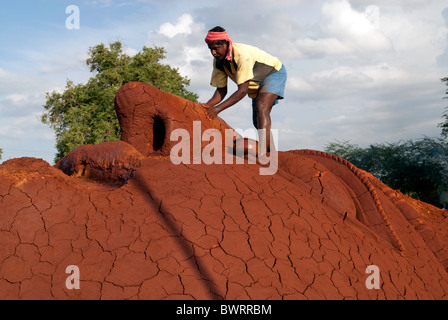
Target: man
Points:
(258, 74)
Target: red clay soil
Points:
(140, 227)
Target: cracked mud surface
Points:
(140, 227)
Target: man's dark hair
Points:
(219, 29)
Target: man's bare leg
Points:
(265, 101)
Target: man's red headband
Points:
(216, 36)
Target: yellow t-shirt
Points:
(248, 64)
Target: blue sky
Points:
(364, 71)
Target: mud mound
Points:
(209, 231)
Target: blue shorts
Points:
(274, 83)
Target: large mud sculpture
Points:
(148, 117)
(139, 227)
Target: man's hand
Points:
(212, 113)
(218, 106)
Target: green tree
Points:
(1, 151)
(444, 125)
(418, 168)
(85, 113)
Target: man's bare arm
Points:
(233, 99)
(218, 96)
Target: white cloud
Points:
(320, 47)
(183, 26)
(363, 77)
(101, 3)
(299, 84)
(16, 98)
(130, 52)
(403, 5)
(26, 136)
(186, 51)
(357, 30)
(343, 31)
(416, 42)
